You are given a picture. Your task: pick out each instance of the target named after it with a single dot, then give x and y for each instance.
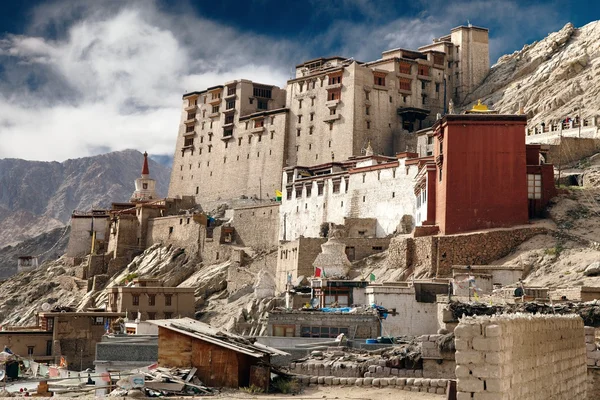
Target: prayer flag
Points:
(372, 277)
(318, 272)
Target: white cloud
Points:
(115, 79)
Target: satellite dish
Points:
(46, 307)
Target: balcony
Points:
(380, 87)
(333, 86)
(258, 129)
(216, 101)
(230, 96)
(404, 91)
(193, 107)
(424, 77)
(331, 118)
(403, 75)
(214, 115)
(190, 121)
(227, 135)
(190, 133)
(332, 103)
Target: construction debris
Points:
(160, 382)
(589, 312)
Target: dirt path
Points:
(340, 392)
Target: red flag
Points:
(318, 272)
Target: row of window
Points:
(135, 298)
(189, 142)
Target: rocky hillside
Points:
(47, 246)
(36, 197)
(552, 78)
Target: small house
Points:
(221, 359)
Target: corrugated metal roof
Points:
(202, 331)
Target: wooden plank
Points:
(166, 386)
(191, 374)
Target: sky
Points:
(85, 77)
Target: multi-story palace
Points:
(235, 139)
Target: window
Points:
(298, 192)
(310, 130)
(366, 95)
(230, 105)
(284, 330)
(168, 299)
(322, 331)
(320, 188)
(308, 189)
(215, 109)
(168, 315)
(30, 350)
(368, 124)
(424, 98)
(299, 119)
(332, 111)
(151, 315)
(423, 70)
(229, 119)
(262, 92)
(289, 194)
(188, 142)
(333, 95)
(98, 321)
(312, 101)
(189, 129)
(336, 186)
(299, 103)
(144, 186)
(298, 132)
(367, 110)
(272, 134)
(210, 148)
(423, 85)
(377, 248)
(379, 79)
(437, 87)
(152, 300)
(191, 115)
(440, 174)
(231, 91)
(404, 68)
(312, 116)
(216, 95)
(335, 79)
(272, 119)
(262, 105)
(534, 186)
(404, 84)
(170, 231)
(48, 347)
(136, 297)
(259, 123)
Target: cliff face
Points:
(36, 197)
(551, 78)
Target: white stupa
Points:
(145, 187)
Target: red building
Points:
(482, 175)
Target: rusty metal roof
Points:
(205, 332)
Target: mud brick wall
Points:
(521, 357)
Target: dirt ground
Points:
(339, 392)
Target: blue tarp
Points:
(341, 309)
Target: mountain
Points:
(552, 78)
(37, 197)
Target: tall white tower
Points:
(145, 187)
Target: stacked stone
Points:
(592, 352)
(437, 386)
(381, 370)
(429, 347)
(329, 368)
(521, 356)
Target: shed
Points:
(221, 359)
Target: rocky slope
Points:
(47, 246)
(36, 197)
(552, 78)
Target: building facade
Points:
(149, 300)
(479, 177)
(231, 139)
(374, 188)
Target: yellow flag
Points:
(278, 193)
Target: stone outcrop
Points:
(551, 78)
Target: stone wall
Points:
(80, 238)
(569, 149)
(435, 255)
(257, 226)
(177, 230)
(521, 356)
(123, 241)
(436, 364)
(479, 248)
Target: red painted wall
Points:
(484, 173)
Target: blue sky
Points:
(79, 78)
